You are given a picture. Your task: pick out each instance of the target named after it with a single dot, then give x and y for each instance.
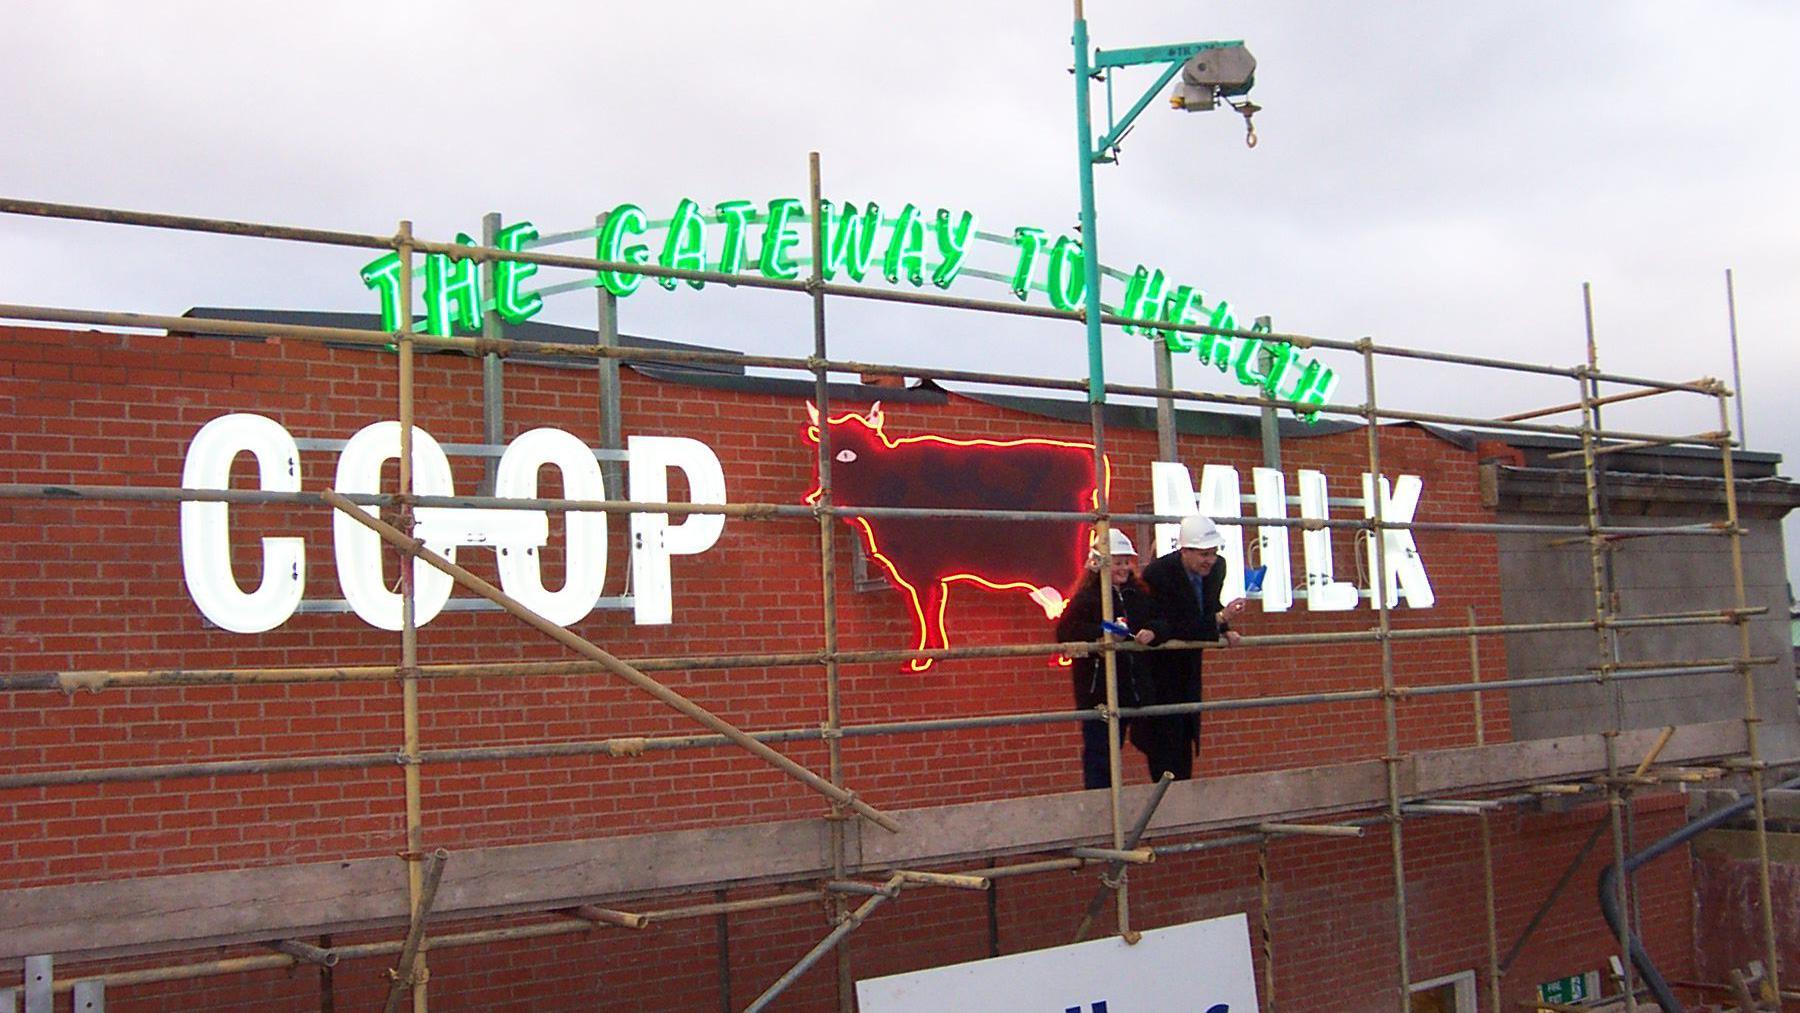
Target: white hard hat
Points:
(1120, 545)
(1117, 541)
(1199, 532)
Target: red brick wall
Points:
(99, 585)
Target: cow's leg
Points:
(933, 603)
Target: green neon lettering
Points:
(622, 220)
(1029, 241)
(514, 306)
(1283, 359)
(953, 246)
(906, 248)
(778, 238)
(1142, 294)
(1067, 279)
(1175, 311)
(850, 239)
(1314, 386)
(735, 215)
(1245, 362)
(684, 245)
(1216, 348)
(383, 275)
(452, 292)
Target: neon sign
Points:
(515, 536)
(1219, 498)
(923, 556)
(916, 248)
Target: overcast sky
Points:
(1433, 175)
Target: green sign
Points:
(909, 248)
(1574, 988)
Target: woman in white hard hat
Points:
(1186, 584)
(1134, 610)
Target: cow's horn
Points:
(874, 415)
(812, 412)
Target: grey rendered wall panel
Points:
(1655, 575)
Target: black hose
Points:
(1609, 906)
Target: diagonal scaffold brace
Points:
(404, 973)
(1116, 866)
(416, 548)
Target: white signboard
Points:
(1200, 967)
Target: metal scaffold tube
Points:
(1751, 718)
(832, 731)
(1606, 644)
(480, 346)
(1390, 719)
(414, 973)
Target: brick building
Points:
(553, 786)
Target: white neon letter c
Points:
(206, 527)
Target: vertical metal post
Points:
(1604, 641)
(1475, 677)
(1090, 264)
(606, 335)
(1389, 712)
(722, 933)
(839, 822)
(1268, 932)
(89, 997)
(327, 986)
(1090, 240)
(1165, 405)
(1737, 376)
(1110, 665)
(1487, 897)
(1751, 719)
(409, 630)
(493, 398)
(993, 913)
(40, 980)
(1271, 422)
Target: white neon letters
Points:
(1220, 498)
(1405, 573)
(515, 536)
(1272, 540)
(653, 540)
(520, 570)
(359, 549)
(1324, 593)
(205, 541)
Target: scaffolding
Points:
(847, 884)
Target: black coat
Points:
(1176, 674)
(1188, 617)
(1080, 621)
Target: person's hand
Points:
(1232, 637)
(1234, 609)
(1143, 637)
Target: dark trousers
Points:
(1096, 767)
(1170, 747)
(1172, 739)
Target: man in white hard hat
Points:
(1186, 584)
(1134, 610)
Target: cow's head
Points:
(854, 438)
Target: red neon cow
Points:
(923, 556)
